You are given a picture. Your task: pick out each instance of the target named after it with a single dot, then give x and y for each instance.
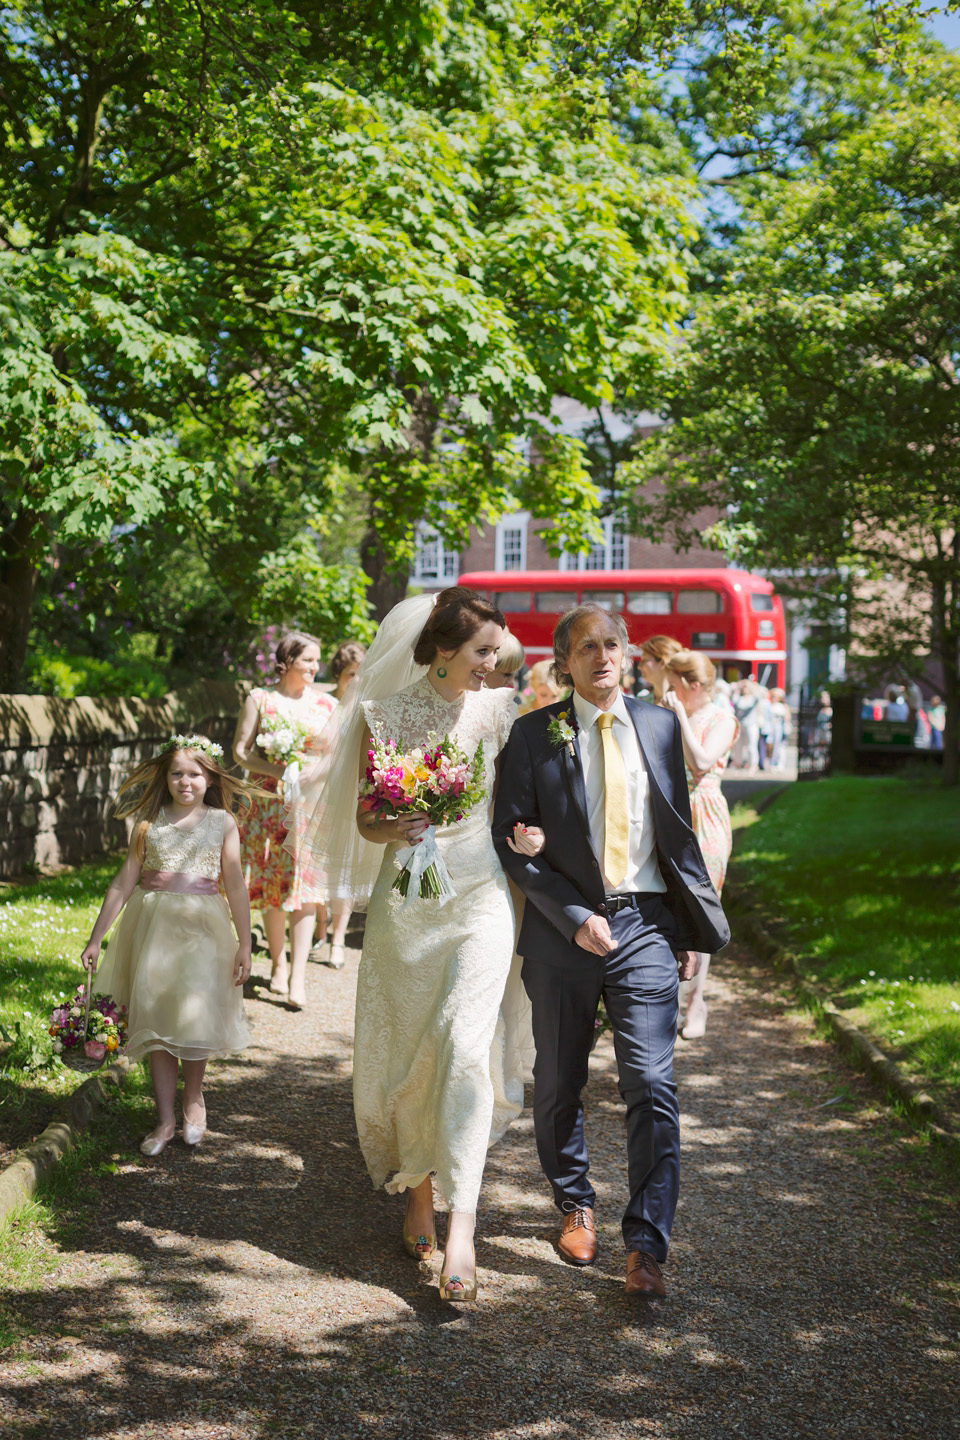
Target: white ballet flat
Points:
(193, 1134)
(154, 1144)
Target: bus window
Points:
(554, 602)
(699, 602)
(650, 602)
(511, 601)
(708, 640)
(606, 599)
(759, 601)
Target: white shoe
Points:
(337, 958)
(193, 1134)
(154, 1144)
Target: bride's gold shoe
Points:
(453, 1288)
(419, 1247)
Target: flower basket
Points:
(86, 1032)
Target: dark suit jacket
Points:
(541, 783)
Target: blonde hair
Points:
(144, 791)
(544, 673)
(660, 647)
(694, 668)
(511, 655)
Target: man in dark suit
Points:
(614, 901)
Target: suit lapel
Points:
(647, 742)
(573, 774)
(573, 770)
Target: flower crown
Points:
(193, 742)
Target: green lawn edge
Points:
(859, 876)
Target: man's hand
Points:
(688, 963)
(594, 935)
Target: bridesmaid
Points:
(344, 664)
(276, 885)
(654, 654)
(708, 734)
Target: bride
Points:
(437, 1076)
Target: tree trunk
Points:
(951, 695)
(387, 586)
(18, 579)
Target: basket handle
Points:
(88, 998)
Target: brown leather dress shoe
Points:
(644, 1276)
(578, 1237)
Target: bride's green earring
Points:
(442, 673)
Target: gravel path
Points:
(257, 1287)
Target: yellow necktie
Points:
(616, 827)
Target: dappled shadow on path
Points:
(257, 1287)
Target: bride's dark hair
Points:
(457, 615)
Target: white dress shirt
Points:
(643, 872)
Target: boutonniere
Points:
(561, 731)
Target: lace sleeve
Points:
(374, 714)
(505, 712)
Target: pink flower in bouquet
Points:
(94, 1050)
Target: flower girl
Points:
(174, 961)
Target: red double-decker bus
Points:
(731, 615)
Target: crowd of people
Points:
(586, 865)
(905, 704)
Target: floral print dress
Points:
(708, 806)
(273, 880)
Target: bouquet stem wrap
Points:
(423, 871)
(291, 783)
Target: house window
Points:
(511, 543)
(434, 563)
(608, 554)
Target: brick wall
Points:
(62, 762)
(480, 554)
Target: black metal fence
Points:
(814, 729)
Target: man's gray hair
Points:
(563, 636)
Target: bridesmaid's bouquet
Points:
(87, 1030)
(441, 782)
(283, 741)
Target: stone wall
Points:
(62, 762)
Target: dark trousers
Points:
(639, 985)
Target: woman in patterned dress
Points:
(708, 733)
(277, 886)
(344, 664)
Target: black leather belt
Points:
(613, 903)
(633, 901)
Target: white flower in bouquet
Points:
(284, 740)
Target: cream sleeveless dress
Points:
(171, 958)
(437, 1075)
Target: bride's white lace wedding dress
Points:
(437, 1074)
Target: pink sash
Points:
(178, 882)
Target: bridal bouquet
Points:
(86, 1030)
(441, 782)
(284, 740)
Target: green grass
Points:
(43, 928)
(34, 1238)
(861, 876)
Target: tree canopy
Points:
(814, 400)
(244, 244)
